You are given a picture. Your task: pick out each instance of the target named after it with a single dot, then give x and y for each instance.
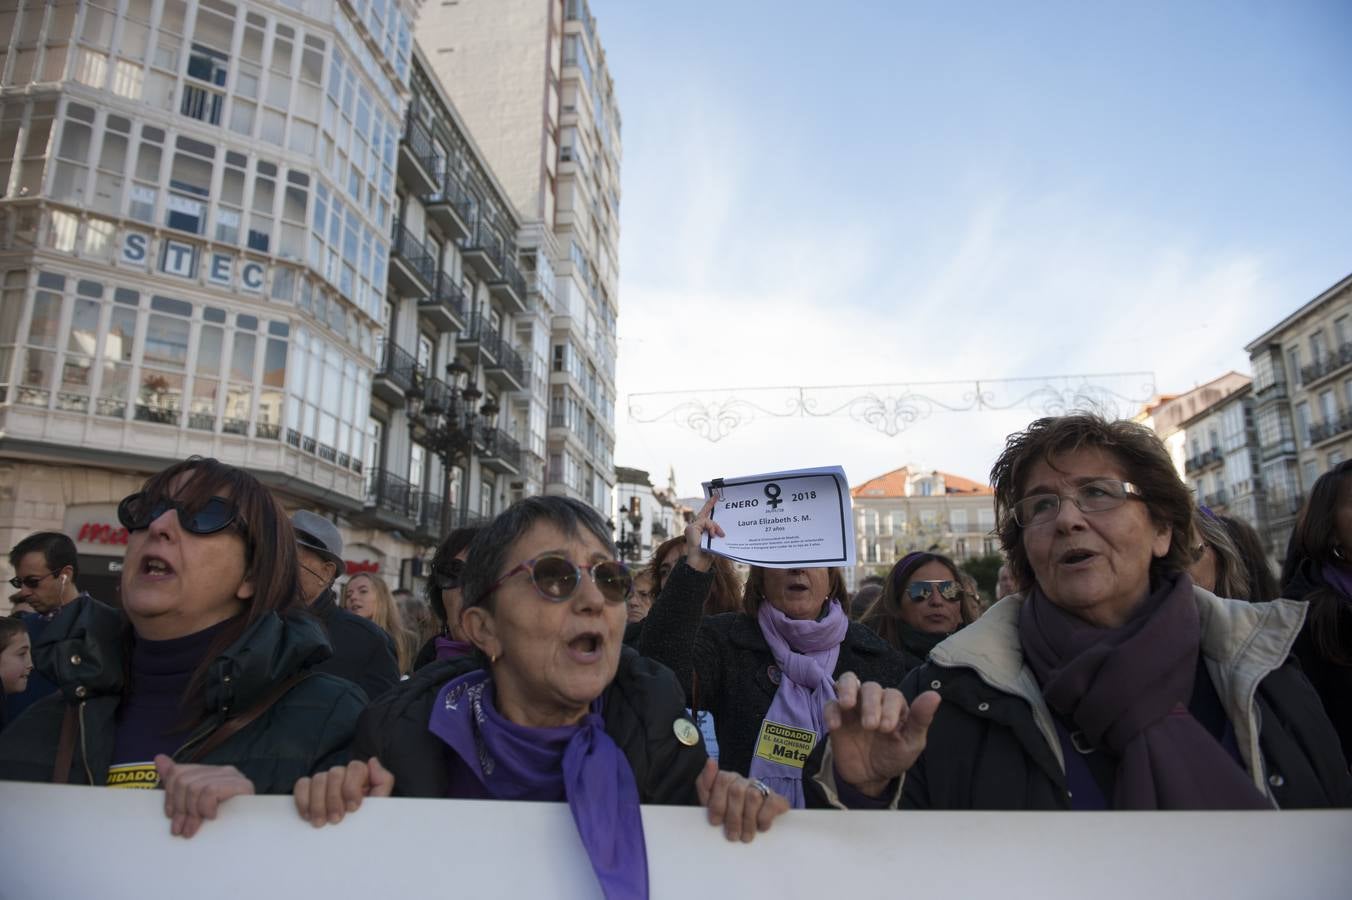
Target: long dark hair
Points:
(1314, 544)
(884, 615)
(269, 551)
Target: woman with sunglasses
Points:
(923, 601)
(445, 599)
(549, 707)
(765, 673)
(199, 684)
(1112, 682)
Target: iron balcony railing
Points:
(406, 246)
(1332, 428)
(398, 365)
(501, 445)
(419, 141)
(1329, 364)
(387, 491)
(446, 294)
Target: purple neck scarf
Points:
(1126, 690)
(578, 763)
(449, 649)
(1337, 578)
(806, 651)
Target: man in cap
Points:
(362, 652)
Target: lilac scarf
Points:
(1126, 690)
(578, 763)
(806, 651)
(449, 649)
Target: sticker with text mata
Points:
(137, 776)
(785, 744)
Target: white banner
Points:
(63, 841)
(784, 520)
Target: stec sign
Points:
(184, 260)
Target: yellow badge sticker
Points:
(785, 745)
(141, 776)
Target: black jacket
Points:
(993, 747)
(362, 652)
(724, 662)
(1331, 680)
(641, 706)
(85, 647)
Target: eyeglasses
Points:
(448, 578)
(1198, 551)
(556, 578)
(919, 591)
(29, 581)
(1099, 495)
(138, 511)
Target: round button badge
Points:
(686, 732)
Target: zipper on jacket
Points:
(84, 745)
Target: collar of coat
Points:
(1242, 643)
(86, 647)
(745, 632)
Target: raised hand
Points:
(875, 735)
(695, 556)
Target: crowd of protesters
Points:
(1141, 655)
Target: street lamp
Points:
(442, 417)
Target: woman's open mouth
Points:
(1077, 557)
(155, 568)
(586, 648)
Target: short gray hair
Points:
(487, 553)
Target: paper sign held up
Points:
(784, 520)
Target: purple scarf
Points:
(579, 763)
(1337, 578)
(449, 649)
(1127, 689)
(806, 651)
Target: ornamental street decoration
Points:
(890, 409)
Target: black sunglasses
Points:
(448, 577)
(29, 581)
(139, 510)
(919, 591)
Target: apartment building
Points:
(530, 79)
(910, 509)
(1222, 457)
(1302, 387)
(645, 515)
(260, 232)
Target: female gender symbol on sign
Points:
(773, 491)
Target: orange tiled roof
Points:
(893, 484)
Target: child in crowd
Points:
(16, 660)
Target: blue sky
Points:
(870, 192)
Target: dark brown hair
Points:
(884, 616)
(726, 593)
(1262, 585)
(269, 550)
(754, 592)
(1314, 544)
(1232, 576)
(1144, 462)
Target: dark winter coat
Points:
(640, 708)
(362, 652)
(1331, 680)
(86, 647)
(993, 743)
(726, 666)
